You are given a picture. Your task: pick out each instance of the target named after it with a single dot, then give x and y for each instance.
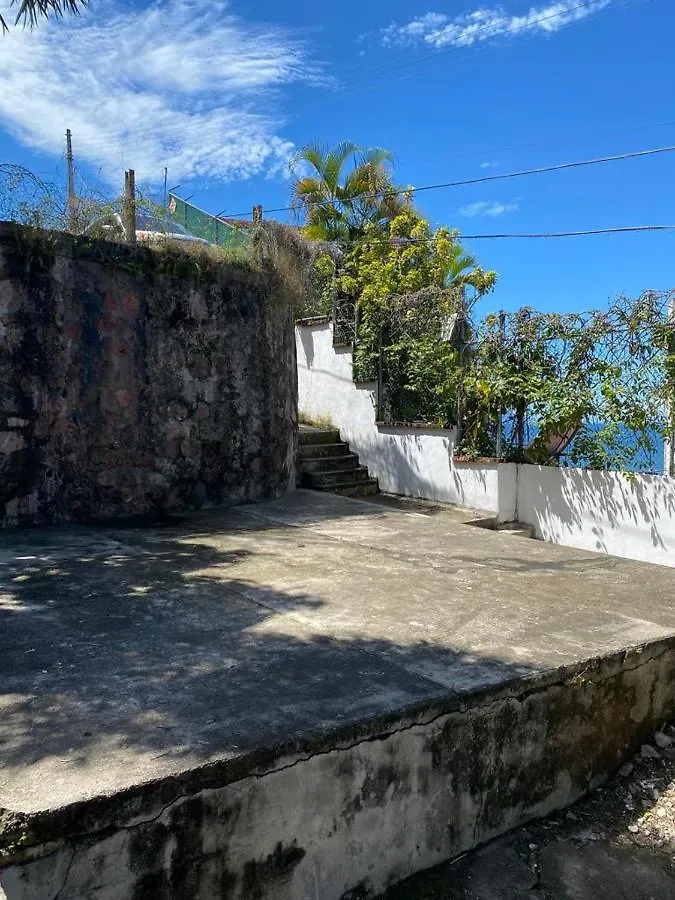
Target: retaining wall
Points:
(345, 817)
(132, 380)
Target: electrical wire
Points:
(547, 234)
(558, 167)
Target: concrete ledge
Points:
(355, 809)
(312, 321)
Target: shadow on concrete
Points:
(115, 641)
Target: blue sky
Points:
(222, 93)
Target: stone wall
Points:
(134, 381)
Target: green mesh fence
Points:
(204, 225)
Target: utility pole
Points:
(166, 181)
(70, 203)
(502, 341)
(669, 445)
(129, 209)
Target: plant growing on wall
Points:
(411, 285)
(595, 387)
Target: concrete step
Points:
(357, 489)
(319, 436)
(316, 465)
(315, 451)
(327, 464)
(519, 529)
(326, 480)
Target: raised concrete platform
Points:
(309, 698)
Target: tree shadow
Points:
(601, 509)
(146, 647)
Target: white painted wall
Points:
(415, 462)
(609, 512)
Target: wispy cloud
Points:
(177, 83)
(490, 164)
(486, 23)
(487, 208)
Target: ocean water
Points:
(644, 461)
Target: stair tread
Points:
(327, 444)
(344, 484)
(329, 458)
(339, 471)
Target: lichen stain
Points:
(261, 877)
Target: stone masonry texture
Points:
(137, 381)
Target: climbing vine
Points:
(592, 389)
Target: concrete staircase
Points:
(327, 464)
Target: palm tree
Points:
(29, 11)
(337, 207)
(462, 272)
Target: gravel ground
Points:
(618, 843)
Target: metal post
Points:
(166, 181)
(130, 206)
(669, 444)
(70, 202)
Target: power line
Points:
(485, 178)
(547, 234)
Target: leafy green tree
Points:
(596, 386)
(30, 11)
(341, 203)
(412, 287)
(406, 256)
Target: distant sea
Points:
(644, 461)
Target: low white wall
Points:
(629, 516)
(415, 462)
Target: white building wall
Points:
(625, 515)
(630, 516)
(415, 462)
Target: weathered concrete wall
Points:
(130, 381)
(349, 814)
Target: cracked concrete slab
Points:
(130, 653)
(194, 654)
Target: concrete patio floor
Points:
(134, 654)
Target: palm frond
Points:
(31, 11)
(376, 156)
(313, 154)
(334, 162)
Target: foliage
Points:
(305, 268)
(339, 205)
(594, 387)
(30, 11)
(408, 260)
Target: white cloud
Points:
(487, 208)
(490, 164)
(177, 83)
(486, 23)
